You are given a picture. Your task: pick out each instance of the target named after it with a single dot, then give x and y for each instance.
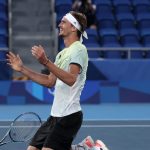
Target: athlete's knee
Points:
(32, 148)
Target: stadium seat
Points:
(115, 54)
(105, 24)
(92, 42)
(133, 41)
(144, 27)
(122, 8)
(147, 53)
(130, 40)
(62, 2)
(140, 2)
(110, 41)
(3, 2)
(95, 54)
(93, 39)
(106, 27)
(3, 8)
(104, 12)
(3, 41)
(123, 16)
(3, 55)
(146, 40)
(142, 8)
(126, 24)
(3, 27)
(61, 8)
(121, 2)
(102, 2)
(142, 16)
(129, 31)
(138, 54)
(108, 31)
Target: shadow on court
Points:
(117, 135)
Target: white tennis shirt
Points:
(67, 98)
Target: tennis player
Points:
(68, 75)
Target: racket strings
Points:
(24, 127)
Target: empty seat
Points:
(102, 2)
(60, 2)
(3, 55)
(123, 16)
(3, 8)
(92, 42)
(140, 2)
(61, 8)
(115, 54)
(3, 41)
(126, 24)
(93, 39)
(144, 27)
(108, 31)
(138, 54)
(105, 24)
(129, 31)
(121, 2)
(146, 40)
(95, 53)
(122, 8)
(3, 15)
(130, 40)
(147, 54)
(3, 27)
(110, 41)
(142, 8)
(3, 2)
(104, 12)
(142, 16)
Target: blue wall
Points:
(108, 81)
(95, 92)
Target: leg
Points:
(32, 148)
(40, 136)
(63, 133)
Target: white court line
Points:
(96, 126)
(19, 126)
(115, 126)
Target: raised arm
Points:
(67, 77)
(16, 63)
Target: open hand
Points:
(39, 53)
(14, 61)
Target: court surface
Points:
(120, 127)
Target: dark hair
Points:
(81, 18)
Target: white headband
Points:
(76, 24)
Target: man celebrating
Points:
(68, 75)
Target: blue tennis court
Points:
(120, 127)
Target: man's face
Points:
(65, 27)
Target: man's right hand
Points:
(14, 61)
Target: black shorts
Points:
(58, 132)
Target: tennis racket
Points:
(22, 128)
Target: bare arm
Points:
(16, 63)
(67, 77)
(46, 80)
